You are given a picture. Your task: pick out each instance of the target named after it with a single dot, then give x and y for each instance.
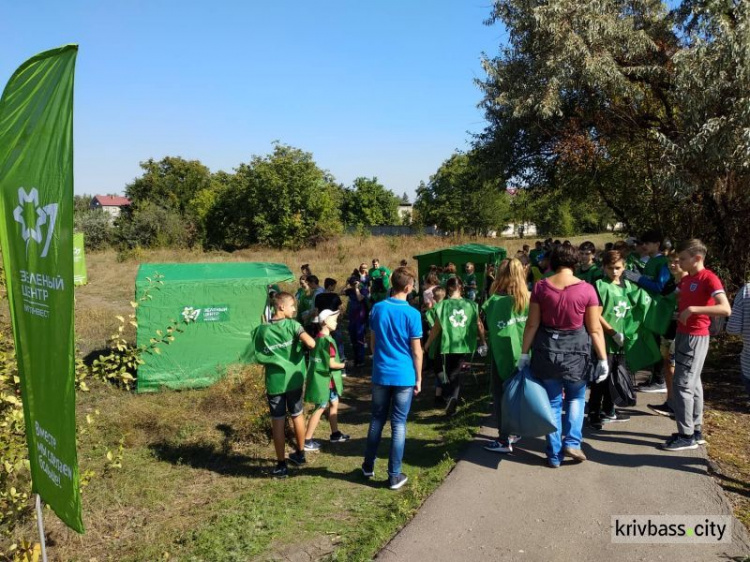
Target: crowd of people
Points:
(579, 317)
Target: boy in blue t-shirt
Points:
(396, 331)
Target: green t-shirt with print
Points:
(458, 322)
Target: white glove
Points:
(619, 339)
(633, 276)
(523, 361)
(602, 370)
(482, 351)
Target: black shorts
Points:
(280, 404)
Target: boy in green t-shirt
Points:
(433, 353)
(587, 269)
(279, 347)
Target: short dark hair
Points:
(329, 282)
(401, 278)
(454, 284)
(313, 279)
(587, 246)
(651, 236)
(279, 298)
(563, 256)
(612, 257)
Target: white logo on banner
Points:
(43, 216)
(190, 314)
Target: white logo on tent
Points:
(190, 314)
(458, 319)
(622, 309)
(45, 216)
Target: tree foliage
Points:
(96, 226)
(368, 203)
(282, 200)
(643, 108)
(460, 198)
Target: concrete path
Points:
(512, 507)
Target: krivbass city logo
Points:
(35, 219)
(458, 319)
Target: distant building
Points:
(111, 204)
(405, 210)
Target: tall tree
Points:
(368, 203)
(282, 199)
(636, 106)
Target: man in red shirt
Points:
(701, 296)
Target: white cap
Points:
(325, 315)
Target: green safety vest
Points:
(591, 275)
(304, 303)
(430, 316)
(458, 320)
(319, 372)
(380, 273)
(661, 313)
(625, 308)
(505, 329)
(279, 348)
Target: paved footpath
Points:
(512, 507)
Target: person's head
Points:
(306, 269)
(454, 286)
(613, 263)
(329, 284)
(450, 267)
(469, 267)
(674, 266)
(313, 281)
(362, 269)
(403, 263)
(438, 293)
(567, 243)
(432, 280)
(284, 305)
(586, 253)
(609, 246)
(691, 254)
(525, 249)
(375, 263)
(511, 280)
(303, 282)
(538, 244)
(623, 247)
(651, 242)
(402, 280)
(353, 281)
(328, 319)
(563, 257)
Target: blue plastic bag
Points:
(526, 410)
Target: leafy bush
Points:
(96, 226)
(149, 225)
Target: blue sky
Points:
(370, 88)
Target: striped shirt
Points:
(739, 324)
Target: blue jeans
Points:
(398, 399)
(571, 425)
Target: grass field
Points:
(187, 476)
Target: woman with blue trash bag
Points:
(562, 326)
(506, 311)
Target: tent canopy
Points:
(217, 305)
(480, 255)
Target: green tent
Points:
(480, 255)
(217, 304)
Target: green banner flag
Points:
(36, 233)
(80, 277)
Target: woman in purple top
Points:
(563, 324)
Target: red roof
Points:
(112, 200)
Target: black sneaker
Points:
(662, 409)
(368, 471)
(616, 417)
(439, 402)
(395, 482)
(281, 471)
(595, 422)
(653, 388)
(680, 443)
(450, 409)
(298, 457)
(698, 437)
(339, 437)
(311, 445)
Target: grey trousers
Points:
(687, 389)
